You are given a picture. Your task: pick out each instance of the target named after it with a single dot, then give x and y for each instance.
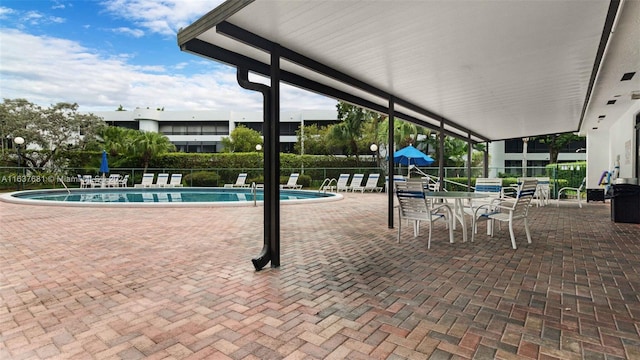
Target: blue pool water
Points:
(160, 196)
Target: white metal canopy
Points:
(491, 69)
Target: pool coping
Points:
(10, 198)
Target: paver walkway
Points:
(79, 283)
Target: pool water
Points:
(160, 195)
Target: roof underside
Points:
(489, 69)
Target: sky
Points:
(105, 54)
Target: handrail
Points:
(63, 184)
(328, 182)
(255, 195)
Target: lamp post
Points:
(374, 150)
(18, 141)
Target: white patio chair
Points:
(292, 183)
(147, 180)
(578, 192)
(543, 190)
(371, 185)
(241, 181)
(162, 180)
(124, 181)
(508, 210)
(343, 181)
(113, 180)
(176, 180)
(356, 182)
(414, 207)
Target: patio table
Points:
(458, 206)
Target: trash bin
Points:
(625, 203)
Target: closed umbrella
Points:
(104, 164)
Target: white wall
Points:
(597, 156)
(622, 142)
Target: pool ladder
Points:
(326, 185)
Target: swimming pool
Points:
(159, 197)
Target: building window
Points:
(195, 128)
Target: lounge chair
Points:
(371, 185)
(292, 183)
(241, 181)
(343, 181)
(578, 192)
(543, 191)
(413, 206)
(508, 210)
(147, 180)
(162, 180)
(356, 182)
(396, 179)
(176, 180)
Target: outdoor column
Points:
(441, 157)
(272, 185)
(486, 160)
(391, 166)
(469, 157)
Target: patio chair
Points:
(414, 207)
(508, 210)
(113, 180)
(356, 182)
(241, 181)
(396, 179)
(542, 191)
(371, 185)
(579, 190)
(85, 181)
(162, 180)
(176, 180)
(292, 183)
(124, 181)
(343, 181)
(492, 187)
(147, 180)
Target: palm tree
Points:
(151, 144)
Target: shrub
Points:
(202, 178)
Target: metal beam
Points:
(391, 167)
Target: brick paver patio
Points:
(80, 283)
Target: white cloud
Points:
(165, 17)
(48, 70)
(136, 33)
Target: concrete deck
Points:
(79, 283)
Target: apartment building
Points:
(202, 131)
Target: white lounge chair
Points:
(162, 180)
(578, 192)
(147, 180)
(371, 185)
(241, 181)
(396, 179)
(343, 181)
(356, 182)
(508, 210)
(85, 181)
(543, 190)
(176, 180)
(413, 206)
(292, 183)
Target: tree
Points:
(149, 145)
(241, 139)
(47, 129)
(349, 130)
(315, 140)
(556, 142)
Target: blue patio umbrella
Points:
(412, 156)
(104, 165)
